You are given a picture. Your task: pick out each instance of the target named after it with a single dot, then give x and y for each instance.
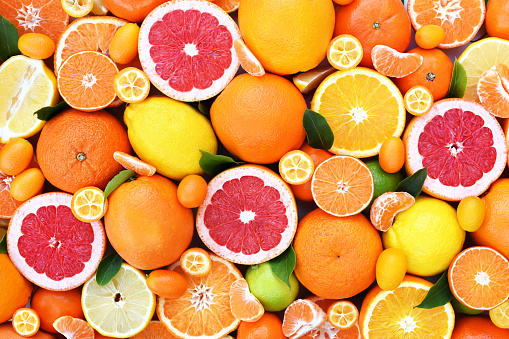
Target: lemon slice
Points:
(344, 52)
(26, 85)
(88, 204)
(77, 8)
(296, 167)
(308, 81)
(418, 100)
(131, 85)
(121, 308)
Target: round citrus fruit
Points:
(243, 303)
(473, 327)
(36, 45)
(418, 100)
(131, 85)
(167, 284)
(288, 36)
(77, 9)
(390, 269)
(144, 246)
(343, 314)
(492, 93)
(471, 212)
(344, 52)
(16, 290)
(269, 326)
(496, 25)
(192, 191)
(26, 322)
(15, 156)
(249, 215)
(500, 315)
(350, 269)
(429, 36)
(391, 63)
(196, 262)
(296, 167)
(27, 184)
(88, 204)
(132, 10)
(124, 45)
(259, 119)
(392, 155)
(65, 254)
(461, 144)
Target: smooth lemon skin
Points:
(471, 212)
(429, 234)
(390, 268)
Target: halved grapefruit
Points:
(461, 144)
(52, 248)
(249, 215)
(186, 49)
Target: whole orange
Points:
(146, 224)
(497, 24)
(494, 232)
(259, 119)
(269, 326)
(75, 149)
(15, 290)
(477, 327)
(435, 73)
(132, 10)
(7, 332)
(52, 305)
(303, 192)
(336, 257)
(375, 22)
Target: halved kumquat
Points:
(418, 100)
(344, 52)
(296, 167)
(196, 262)
(131, 85)
(88, 204)
(26, 322)
(343, 314)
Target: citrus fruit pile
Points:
(254, 169)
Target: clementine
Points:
(475, 327)
(497, 24)
(16, 290)
(132, 10)
(269, 326)
(7, 332)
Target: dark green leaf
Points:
(49, 112)
(204, 106)
(8, 39)
(214, 164)
(487, 2)
(108, 268)
(283, 265)
(118, 180)
(413, 184)
(438, 295)
(458, 84)
(3, 244)
(318, 131)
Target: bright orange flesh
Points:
(343, 314)
(74, 328)
(247, 59)
(243, 303)
(301, 317)
(392, 63)
(493, 90)
(196, 262)
(134, 164)
(386, 206)
(154, 330)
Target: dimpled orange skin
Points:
(132, 10)
(146, 224)
(497, 23)
(15, 289)
(269, 326)
(392, 155)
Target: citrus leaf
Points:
(283, 265)
(108, 268)
(438, 295)
(3, 244)
(118, 180)
(204, 106)
(214, 164)
(8, 39)
(318, 131)
(413, 184)
(458, 84)
(49, 112)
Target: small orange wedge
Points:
(493, 90)
(73, 328)
(134, 164)
(247, 59)
(391, 63)
(301, 317)
(243, 303)
(385, 207)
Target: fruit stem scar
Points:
(376, 25)
(81, 156)
(430, 76)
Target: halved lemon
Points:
(88, 204)
(131, 85)
(296, 167)
(344, 52)
(77, 8)
(418, 100)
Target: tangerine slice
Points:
(344, 52)
(243, 303)
(493, 90)
(391, 63)
(134, 164)
(247, 59)
(296, 167)
(26, 322)
(418, 100)
(301, 317)
(343, 314)
(196, 262)
(385, 207)
(74, 328)
(131, 85)
(88, 204)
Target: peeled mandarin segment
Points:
(387, 206)
(243, 303)
(391, 63)
(228, 5)
(134, 164)
(301, 317)
(73, 328)
(493, 90)
(247, 59)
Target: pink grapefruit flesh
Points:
(249, 215)
(186, 49)
(461, 144)
(52, 248)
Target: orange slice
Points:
(247, 59)
(296, 167)
(493, 90)
(131, 85)
(196, 262)
(76, 8)
(204, 310)
(385, 207)
(134, 164)
(308, 81)
(227, 5)
(418, 100)
(154, 330)
(460, 20)
(301, 317)
(243, 303)
(391, 63)
(342, 186)
(73, 328)
(478, 278)
(344, 52)
(342, 314)
(26, 322)
(88, 204)
(500, 315)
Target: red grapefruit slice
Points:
(461, 144)
(52, 248)
(249, 215)
(186, 49)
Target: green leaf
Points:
(49, 112)
(318, 131)
(458, 84)
(438, 295)
(118, 180)
(214, 164)
(108, 268)
(487, 3)
(413, 184)
(283, 265)
(3, 244)
(8, 39)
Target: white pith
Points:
(29, 17)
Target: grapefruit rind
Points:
(434, 187)
(41, 279)
(149, 66)
(286, 197)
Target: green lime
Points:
(274, 294)
(460, 308)
(384, 182)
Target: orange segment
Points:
(344, 52)
(73, 328)
(301, 317)
(243, 303)
(343, 314)
(85, 81)
(134, 164)
(26, 322)
(131, 85)
(247, 59)
(385, 207)
(296, 167)
(391, 63)
(196, 262)
(478, 278)
(88, 204)
(493, 90)
(418, 100)
(154, 330)
(342, 186)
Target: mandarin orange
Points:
(269, 326)
(497, 24)
(16, 290)
(132, 10)
(477, 327)
(51, 305)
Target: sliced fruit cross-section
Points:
(196, 262)
(131, 85)
(296, 167)
(418, 100)
(88, 204)
(344, 52)
(26, 322)
(308, 81)
(343, 314)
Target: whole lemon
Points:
(287, 36)
(429, 235)
(169, 134)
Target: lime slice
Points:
(123, 307)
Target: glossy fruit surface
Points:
(15, 156)
(132, 10)
(390, 269)
(17, 289)
(27, 184)
(392, 155)
(496, 26)
(471, 212)
(429, 36)
(192, 190)
(269, 326)
(124, 45)
(52, 305)
(167, 284)
(36, 45)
